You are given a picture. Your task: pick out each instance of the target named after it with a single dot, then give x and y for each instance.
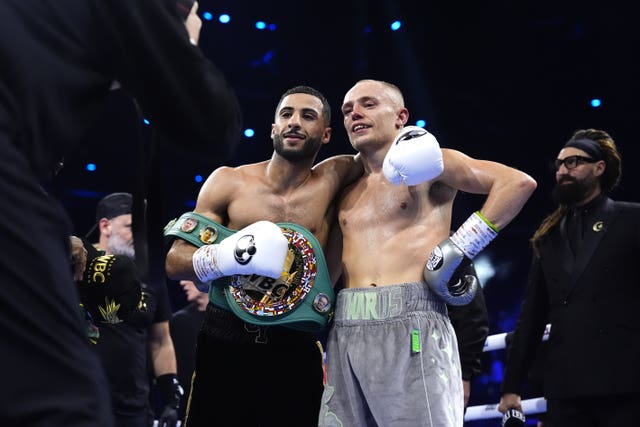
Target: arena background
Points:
(498, 80)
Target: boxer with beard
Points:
(584, 281)
(264, 375)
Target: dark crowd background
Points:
(498, 80)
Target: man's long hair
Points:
(608, 180)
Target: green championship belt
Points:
(301, 298)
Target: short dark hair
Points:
(326, 108)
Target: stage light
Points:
(91, 167)
(146, 122)
(207, 15)
(395, 25)
(224, 18)
(595, 102)
(261, 25)
(267, 57)
(198, 178)
(484, 268)
(421, 123)
(272, 27)
(249, 133)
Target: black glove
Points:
(171, 392)
(513, 418)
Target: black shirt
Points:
(580, 219)
(122, 348)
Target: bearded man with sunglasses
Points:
(584, 281)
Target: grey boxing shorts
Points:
(392, 360)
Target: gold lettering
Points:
(100, 265)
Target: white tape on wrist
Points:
(474, 235)
(205, 263)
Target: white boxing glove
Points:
(259, 248)
(414, 157)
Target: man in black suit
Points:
(584, 280)
(59, 59)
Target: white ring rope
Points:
(483, 412)
(529, 406)
(497, 342)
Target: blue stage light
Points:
(146, 122)
(198, 178)
(421, 123)
(91, 167)
(207, 15)
(261, 25)
(224, 18)
(395, 25)
(249, 133)
(595, 103)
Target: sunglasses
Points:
(571, 162)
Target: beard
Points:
(572, 191)
(118, 246)
(307, 151)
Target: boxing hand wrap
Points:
(259, 248)
(444, 271)
(413, 158)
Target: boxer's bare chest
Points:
(306, 205)
(375, 205)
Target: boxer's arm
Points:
(259, 248)
(507, 189)
(213, 200)
(179, 261)
(340, 170)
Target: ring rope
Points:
(497, 342)
(483, 412)
(529, 406)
